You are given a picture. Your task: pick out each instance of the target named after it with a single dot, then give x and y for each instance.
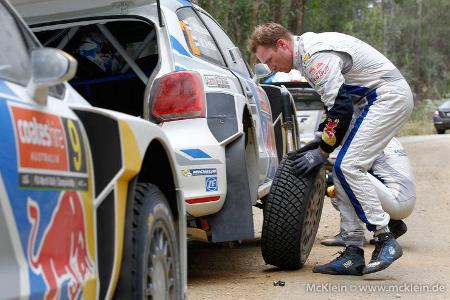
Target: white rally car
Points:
(90, 199)
(171, 63)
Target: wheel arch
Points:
(159, 169)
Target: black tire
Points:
(291, 216)
(155, 258)
(440, 131)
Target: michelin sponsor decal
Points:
(51, 153)
(198, 172)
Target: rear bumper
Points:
(441, 123)
(201, 164)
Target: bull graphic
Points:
(329, 132)
(62, 252)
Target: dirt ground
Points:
(239, 272)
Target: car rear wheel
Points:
(291, 216)
(155, 249)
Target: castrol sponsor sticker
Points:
(50, 150)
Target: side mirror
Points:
(49, 67)
(261, 71)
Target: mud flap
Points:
(235, 220)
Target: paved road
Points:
(221, 272)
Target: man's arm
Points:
(324, 72)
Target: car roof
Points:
(36, 9)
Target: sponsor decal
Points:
(313, 69)
(400, 152)
(391, 250)
(60, 255)
(348, 263)
(320, 71)
(329, 133)
(306, 57)
(51, 153)
(211, 184)
(215, 81)
(302, 119)
(198, 172)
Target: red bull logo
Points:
(312, 70)
(330, 127)
(61, 255)
(329, 132)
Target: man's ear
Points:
(281, 43)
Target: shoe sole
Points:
(335, 273)
(380, 268)
(336, 244)
(332, 243)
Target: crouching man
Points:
(338, 67)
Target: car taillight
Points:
(179, 95)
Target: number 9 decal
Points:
(74, 137)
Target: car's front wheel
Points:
(291, 216)
(156, 262)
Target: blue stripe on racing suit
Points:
(371, 97)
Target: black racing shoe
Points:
(350, 262)
(387, 250)
(397, 227)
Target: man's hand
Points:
(308, 161)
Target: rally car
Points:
(171, 63)
(90, 201)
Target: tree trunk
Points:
(276, 10)
(418, 42)
(253, 22)
(297, 16)
(389, 17)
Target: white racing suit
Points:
(392, 176)
(350, 74)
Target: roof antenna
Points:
(158, 4)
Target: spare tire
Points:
(292, 213)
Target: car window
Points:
(231, 53)
(14, 55)
(198, 38)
